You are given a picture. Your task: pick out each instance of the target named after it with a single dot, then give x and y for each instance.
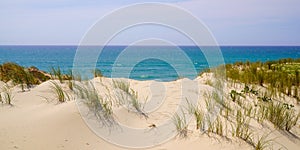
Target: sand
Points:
(37, 121)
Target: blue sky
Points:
(232, 22)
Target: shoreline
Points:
(46, 57)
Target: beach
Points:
(151, 75)
(36, 120)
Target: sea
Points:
(151, 68)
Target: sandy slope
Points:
(37, 121)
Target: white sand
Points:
(37, 121)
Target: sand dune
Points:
(37, 121)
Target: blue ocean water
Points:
(45, 57)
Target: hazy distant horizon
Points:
(151, 45)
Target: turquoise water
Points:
(45, 57)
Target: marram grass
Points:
(100, 107)
(59, 92)
(6, 95)
(181, 125)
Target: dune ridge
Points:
(36, 120)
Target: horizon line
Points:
(184, 45)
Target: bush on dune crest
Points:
(282, 75)
(19, 75)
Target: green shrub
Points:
(20, 75)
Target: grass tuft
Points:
(282, 117)
(122, 85)
(198, 114)
(129, 94)
(263, 142)
(57, 74)
(100, 107)
(135, 103)
(241, 129)
(60, 94)
(181, 125)
(6, 95)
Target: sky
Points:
(231, 22)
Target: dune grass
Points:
(57, 74)
(70, 78)
(227, 109)
(197, 113)
(263, 142)
(100, 107)
(181, 125)
(215, 126)
(219, 128)
(129, 96)
(136, 104)
(240, 122)
(71, 84)
(6, 95)
(241, 128)
(59, 92)
(122, 85)
(282, 75)
(249, 111)
(208, 101)
(281, 116)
